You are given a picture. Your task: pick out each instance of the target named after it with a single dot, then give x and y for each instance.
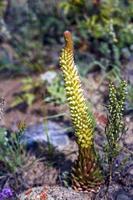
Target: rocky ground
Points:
(53, 173)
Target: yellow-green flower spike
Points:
(79, 111)
(85, 172)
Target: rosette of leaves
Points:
(86, 173)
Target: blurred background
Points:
(33, 110)
(31, 37)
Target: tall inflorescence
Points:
(115, 125)
(116, 107)
(85, 173)
(79, 112)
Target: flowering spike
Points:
(115, 126)
(85, 173)
(79, 112)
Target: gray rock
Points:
(57, 193)
(44, 133)
(123, 197)
(131, 171)
(48, 76)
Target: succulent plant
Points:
(86, 173)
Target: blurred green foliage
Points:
(2, 7)
(29, 90)
(105, 25)
(55, 91)
(32, 89)
(107, 20)
(12, 152)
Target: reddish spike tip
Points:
(67, 34)
(68, 39)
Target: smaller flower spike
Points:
(115, 126)
(83, 124)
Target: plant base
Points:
(86, 174)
